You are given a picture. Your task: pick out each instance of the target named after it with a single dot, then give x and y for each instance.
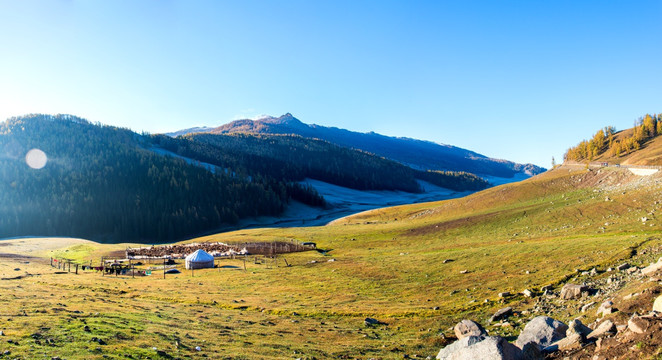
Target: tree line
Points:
(605, 141)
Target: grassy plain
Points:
(388, 264)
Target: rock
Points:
(652, 268)
(468, 328)
(527, 293)
(464, 272)
(607, 327)
(478, 347)
(504, 294)
(572, 291)
(531, 351)
(622, 267)
(371, 321)
(86, 328)
(637, 324)
(630, 296)
(657, 306)
(543, 331)
(502, 314)
(606, 308)
(576, 327)
(6, 352)
(571, 342)
(2, 333)
(587, 306)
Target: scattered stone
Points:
(86, 329)
(657, 305)
(622, 267)
(527, 293)
(468, 328)
(588, 306)
(542, 331)
(573, 291)
(479, 347)
(371, 322)
(464, 272)
(6, 352)
(606, 308)
(607, 327)
(446, 261)
(576, 327)
(504, 294)
(638, 324)
(197, 348)
(572, 342)
(630, 296)
(652, 268)
(2, 333)
(331, 260)
(546, 288)
(502, 314)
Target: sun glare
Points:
(36, 159)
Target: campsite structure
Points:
(199, 259)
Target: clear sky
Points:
(520, 80)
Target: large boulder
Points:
(468, 328)
(573, 291)
(480, 347)
(543, 331)
(657, 305)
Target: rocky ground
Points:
(615, 313)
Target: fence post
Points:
(164, 268)
(76, 269)
(103, 267)
(51, 261)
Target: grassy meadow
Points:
(418, 268)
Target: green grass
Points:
(389, 264)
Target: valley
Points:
(418, 268)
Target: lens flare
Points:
(36, 159)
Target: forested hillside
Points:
(108, 184)
(411, 152)
(99, 183)
(609, 144)
(291, 158)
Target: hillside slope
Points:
(416, 153)
(417, 268)
(640, 145)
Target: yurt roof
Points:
(199, 256)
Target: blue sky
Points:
(520, 80)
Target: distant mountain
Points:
(192, 130)
(415, 153)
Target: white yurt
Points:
(200, 259)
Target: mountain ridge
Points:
(421, 154)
